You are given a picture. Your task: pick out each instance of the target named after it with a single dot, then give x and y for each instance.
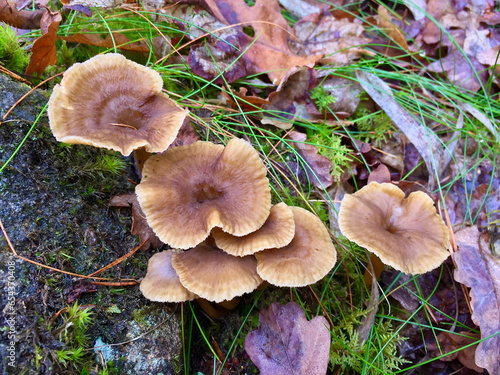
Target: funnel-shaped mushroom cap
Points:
(189, 190)
(277, 231)
(215, 275)
(406, 234)
(111, 102)
(161, 283)
(305, 260)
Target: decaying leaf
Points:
(466, 38)
(340, 40)
(287, 344)
(44, 48)
(424, 140)
(293, 89)
(479, 270)
(269, 53)
(140, 226)
(319, 166)
(22, 19)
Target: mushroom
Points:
(406, 234)
(215, 275)
(111, 102)
(306, 259)
(161, 283)
(189, 190)
(277, 231)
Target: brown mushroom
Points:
(161, 283)
(406, 234)
(215, 275)
(277, 231)
(111, 102)
(189, 190)
(305, 260)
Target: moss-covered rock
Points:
(54, 206)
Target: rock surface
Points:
(54, 207)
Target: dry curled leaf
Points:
(44, 48)
(319, 166)
(286, 343)
(140, 226)
(479, 270)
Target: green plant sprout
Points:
(72, 333)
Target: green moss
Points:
(329, 145)
(355, 357)
(374, 127)
(12, 56)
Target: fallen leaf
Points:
(117, 39)
(140, 226)
(294, 89)
(381, 174)
(286, 343)
(21, 19)
(44, 48)
(479, 270)
(340, 40)
(425, 141)
(242, 100)
(392, 31)
(318, 166)
(465, 39)
(270, 51)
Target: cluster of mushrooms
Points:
(212, 203)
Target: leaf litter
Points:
(479, 269)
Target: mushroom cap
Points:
(305, 260)
(215, 275)
(161, 283)
(189, 190)
(111, 102)
(406, 234)
(277, 231)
